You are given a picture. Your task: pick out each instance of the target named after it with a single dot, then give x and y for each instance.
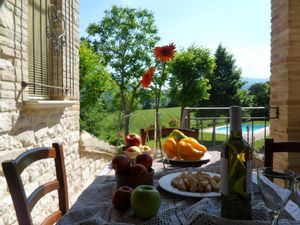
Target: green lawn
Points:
(170, 116)
(145, 118)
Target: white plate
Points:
(165, 183)
(205, 159)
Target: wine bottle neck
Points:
(237, 134)
(235, 119)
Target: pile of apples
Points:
(133, 144)
(143, 199)
(141, 165)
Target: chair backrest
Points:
(149, 134)
(272, 147)
(23, 206)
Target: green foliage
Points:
(226, 81)
(146, 98)
(174, 122)
(188, 85)
(94, 81)
(91, 118)
(260, 93)
(126, 38)
(245, 98)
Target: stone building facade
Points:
(285, 77)
(28, 121)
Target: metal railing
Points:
(190, 119)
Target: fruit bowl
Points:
(134, 181)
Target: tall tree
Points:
(188, 85)
(126, 38)
(225, 81)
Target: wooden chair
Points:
(166, 131)
(12, 170)
(272, 147)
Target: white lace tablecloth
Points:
(94, 206)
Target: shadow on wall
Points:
(37, 119)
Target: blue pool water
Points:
(244, 128)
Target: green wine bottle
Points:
(236, 175)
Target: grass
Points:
(145, 118)
(170, 117)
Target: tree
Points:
(94, 81)
(260, 93)
(146, 99)
(225, 81)
(126, 38)
(188, 85)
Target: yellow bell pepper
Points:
(177, 134)
(190, 149)
(195, 144)
(170, 148)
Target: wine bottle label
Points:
(249, 177)
(224, 176)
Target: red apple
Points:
(133, 139)
(144, 159)
(133, 148)
(145, 201)
(121, 164)
(121, 197)
(137, 170)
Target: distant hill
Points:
(251, 81)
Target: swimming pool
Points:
(244, 128)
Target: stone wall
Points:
(285, 77)
(23, 127)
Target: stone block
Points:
(6, 65)
(3, 187)
(5, 121)
(6, 75)
(9, 148)
(10, 86)
(41, 134)
(85, 174)
(7, 94)
(73, 137)
(91, 143)
(26, 138)
(7, 106)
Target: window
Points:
(50, 49)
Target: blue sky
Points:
(242, 26)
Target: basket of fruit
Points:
(135, 172)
